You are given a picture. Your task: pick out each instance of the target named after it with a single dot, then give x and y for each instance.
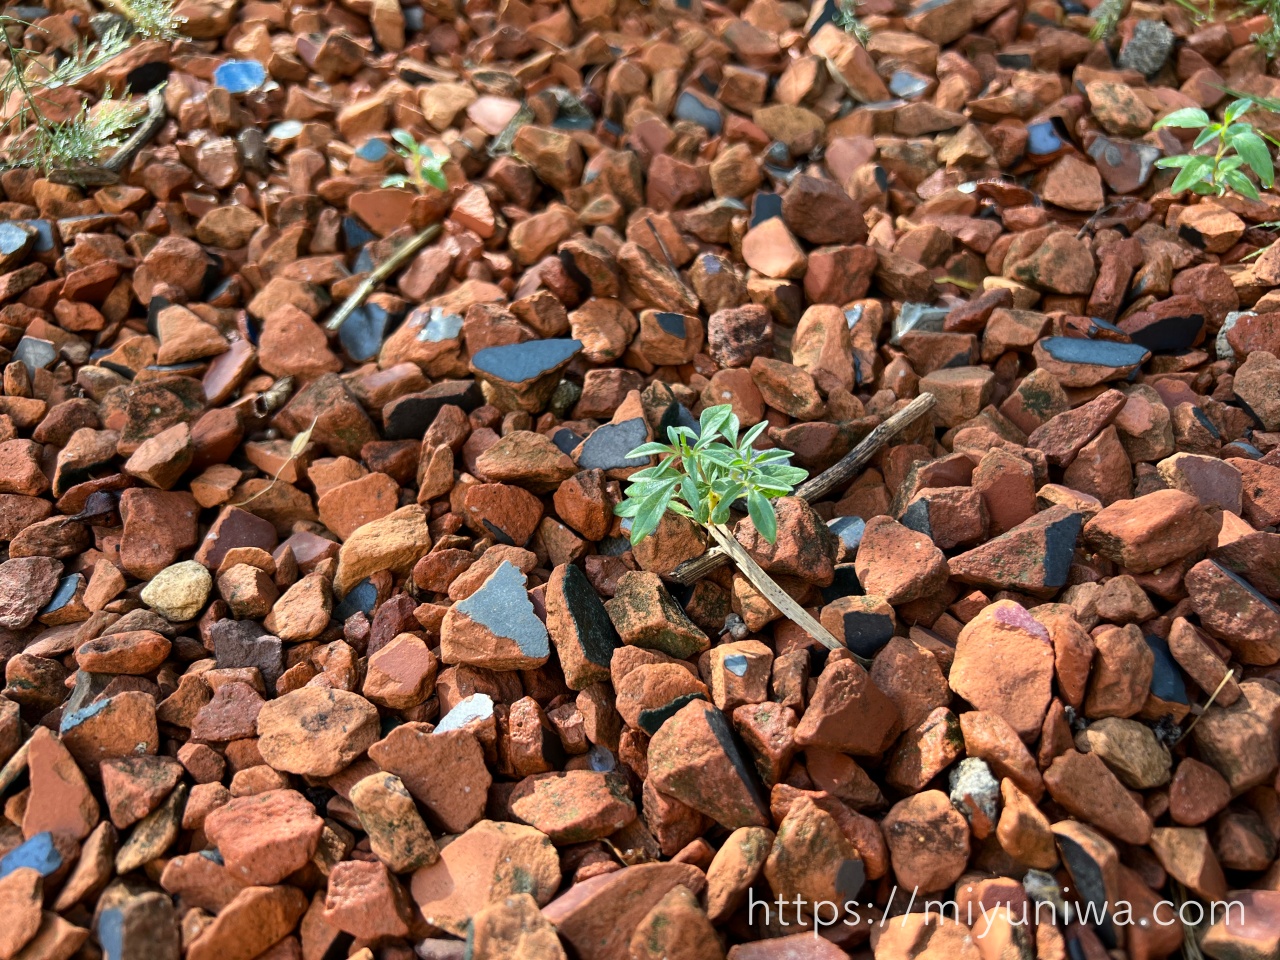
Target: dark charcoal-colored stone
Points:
(62, 593)
(1167, 682)
(765, 207)
(408, 417)
(566, 440)
(361, 598)
(1171, 334)
(845, 584)
(652, 719)
(1090, 886)
(849, 530)
(593, 630)
(865, 633)
(608, 446)
(673, 323)
(242, 643)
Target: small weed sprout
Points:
(1269, 40)
(426, 167)
(1237, 145)
(701, 476)
(68, 146)
(1106, 16)
(152, 19)
(82, 140)
(847, 20)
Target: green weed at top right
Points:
(1237, 148)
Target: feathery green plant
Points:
(847, 20)
(67, 145)
(152, 19)
(702, 474)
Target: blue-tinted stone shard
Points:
(1102, 353)
(520, 362)
(362, 598)
(691, 108)
(239, 76)
(38, 853)
(608, 446)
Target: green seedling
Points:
(1237, 146)
(701, 476)
(425, 166)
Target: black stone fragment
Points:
(408, 417)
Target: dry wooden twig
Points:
(833, 478)
(771, 591)
(380, 273)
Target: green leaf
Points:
(628, 508)
(1188, 117)
(405, 139)
(1236, 109)
(1192, 173)
(763, 516)
(650, 449)
(750, 437)
(689, 490)
(785, 474)
(1165, 163)
(713, 418)
(1205, 136)
(396, 180)
(435, 177)
(1253, 150)
(1241, 184)
(729, 429)
(1230, 163)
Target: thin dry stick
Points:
(771, 591)
(380, 273)
(298, 444)
(833, 478)
(1230, 674)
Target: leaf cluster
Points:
(425, 166)
(703, 473)
(1237, 147)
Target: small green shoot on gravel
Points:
(701, 476)
(1237, 146)
(426, 167)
